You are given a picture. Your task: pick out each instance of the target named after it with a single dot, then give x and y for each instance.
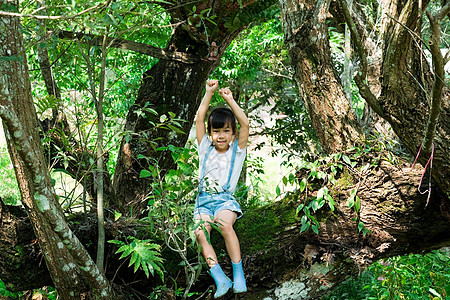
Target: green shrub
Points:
(4, 292)
(412, 276)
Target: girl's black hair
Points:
(220, 117)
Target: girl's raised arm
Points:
(211, 87)
(240, 116)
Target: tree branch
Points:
(439, 75)
(360, 77)
(444, 11)
(128, 45)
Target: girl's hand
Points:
(211, 86)
(226, 94)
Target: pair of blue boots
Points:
(224, 284)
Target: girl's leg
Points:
(226, 219)
(223, 283)
(207, 250)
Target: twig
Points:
(128, 45)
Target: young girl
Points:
(221, 158)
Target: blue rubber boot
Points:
(223, 283)
(239, 285)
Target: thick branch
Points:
(128, 45)
(439, 75)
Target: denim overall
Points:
(212, 203)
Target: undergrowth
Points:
(409, 277)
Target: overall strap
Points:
(226, 187)
(203, 169)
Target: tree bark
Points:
(307, 39)
(406, 91)
(71, 268)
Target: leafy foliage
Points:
(4, 292)
(413, 276)
(9, 190)
(43, 293)
(256, 67)
(143, 254)
(171, 206)
(322, 175)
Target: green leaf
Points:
(145, 174)
(115, 242)
(357, 204)
(278, 191)
(285, 180)
(320, 194)
(305, 227)
(351, 202)
(360, 226)
(150, 110)
(117, 215)
(302, 185)
(304, 219)
(346, 159)
(365, 168)
(333, 170)
(314, 205)
(321, 175)
(351, 198)
(321, 203)
(307, 211)
(331, 202)
(177, 130)
(300, 207)
(145, 268)
(365, 231)
(291, 178)
(315, 229)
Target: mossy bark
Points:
(274, 251)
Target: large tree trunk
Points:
(306, 37)
(406, 91)
(72, 270)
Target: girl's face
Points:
(222, 137)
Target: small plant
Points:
(171, 205)
(5, 293)
(143, 254)
(320, 175)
